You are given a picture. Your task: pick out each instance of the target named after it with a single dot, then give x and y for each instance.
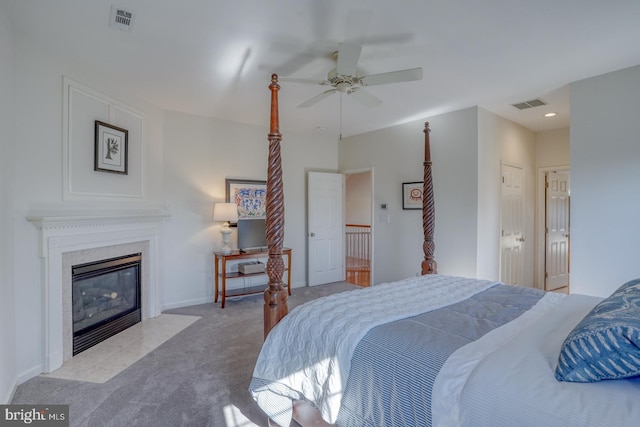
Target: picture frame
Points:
(249, 195)
(111, 148)
(412, 195)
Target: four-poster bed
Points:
(442, 350)
(275, 307)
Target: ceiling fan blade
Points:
(348, 55)
(295, 63)
(365, 97)
(299, 80)
(384, 39)
(393, 77)
(317, 98)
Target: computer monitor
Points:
(252, 234)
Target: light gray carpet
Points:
(200, 377)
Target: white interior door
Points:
(512, 241)
(557, 230)
(325, 228)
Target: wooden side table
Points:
(221, 274)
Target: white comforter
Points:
(506, 378)
(316, 368)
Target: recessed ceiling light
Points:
(550, 114)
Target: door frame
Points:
(373, 218)
(540, 235)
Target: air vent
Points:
(529, 104)
(121, 19)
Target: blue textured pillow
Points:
(605, 345)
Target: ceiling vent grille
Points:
(529, 104)
(121, 19)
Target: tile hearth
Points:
(103, 361)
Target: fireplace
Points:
(76, 238)
(106, 299)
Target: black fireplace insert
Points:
(105, 299)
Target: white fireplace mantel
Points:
(59, 233)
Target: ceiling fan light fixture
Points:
(343, 87)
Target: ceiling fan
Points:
(344, 78)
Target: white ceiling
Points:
(215, 57)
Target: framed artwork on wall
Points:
(249, 195)
(412, 195)
(111, 148)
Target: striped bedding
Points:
(426, 320)
(407, 355)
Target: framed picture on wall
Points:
(250, 196)
(412, 195)
(111, 148)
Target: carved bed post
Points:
(275, 296)
(429, 265)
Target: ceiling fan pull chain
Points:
(340, 109)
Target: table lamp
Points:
(227, 212)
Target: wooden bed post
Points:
(429, 264)
(275, 296)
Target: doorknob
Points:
(312, 234)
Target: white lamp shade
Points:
(225, 212)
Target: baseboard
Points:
(8, 396)
(187, 303)
(30, 373)
(198, 301)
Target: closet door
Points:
(557, 231)
(512, 239)
(325, 228)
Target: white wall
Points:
(397, 154)
(605, 181)
(8, 375)
(200, 153)
(358, 198)
(489, 195)
(38, 172)
(552, 148)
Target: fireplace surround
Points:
(68, 240)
